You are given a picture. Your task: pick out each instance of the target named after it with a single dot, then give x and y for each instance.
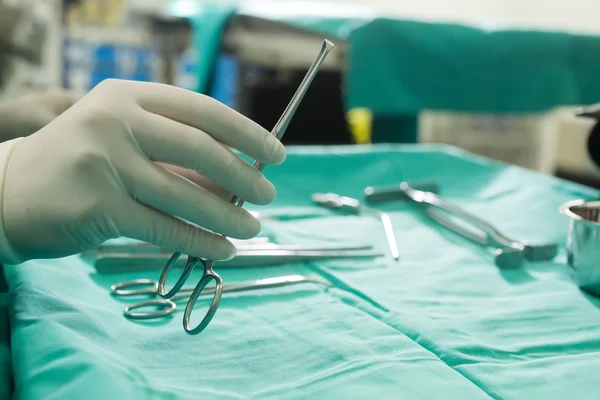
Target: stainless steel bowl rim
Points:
(566, 210)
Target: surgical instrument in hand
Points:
(348, 204)
(208, 274)
(509, 253)
(107, 262)
(168, 306)
(138, 247)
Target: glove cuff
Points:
(7, 253)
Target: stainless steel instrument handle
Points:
(436, 207)
(271, 282)
(493, 236)
(209, 274)
(385, 194)
(336, 202)
(286, 117)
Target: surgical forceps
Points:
(509, 253)
(208, 274)
(120, 260)
(348, 204)
(166, 307)
(143, 249)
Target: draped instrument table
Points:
(443, 322)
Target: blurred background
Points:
(500, 78)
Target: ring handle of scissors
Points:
(147, 286)
(189, 267)
(208, 276)
(166, 307)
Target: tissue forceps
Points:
(208, 274)
(509, 253)
(245, 258)
(337, 202)
(167, 307)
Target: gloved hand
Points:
(28, 114)
(92, 174)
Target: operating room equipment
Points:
(117, 260)
(348, 204)
(208, 275)
(509, 253)
(168, 306)
(583, 243)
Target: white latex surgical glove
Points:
(93, 174)
(27, 114)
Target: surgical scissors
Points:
(337, 202)
(509, 253)
(209, 274)
(168, 306)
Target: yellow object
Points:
(91, 11)
(361, 125)
(113, 11)
(103, 12)
(74, 16)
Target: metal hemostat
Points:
(209, 274)
(509, 253)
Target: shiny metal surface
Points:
(505, 257)
(509, 253)
(384, 194)
(111, 262)
(165, 307)
(208, 275)
(389, 234)
(583, 243)
(352, 206)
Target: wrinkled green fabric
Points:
(400, 67)
(407, 66)
(443, 322)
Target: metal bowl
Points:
(583, 243)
